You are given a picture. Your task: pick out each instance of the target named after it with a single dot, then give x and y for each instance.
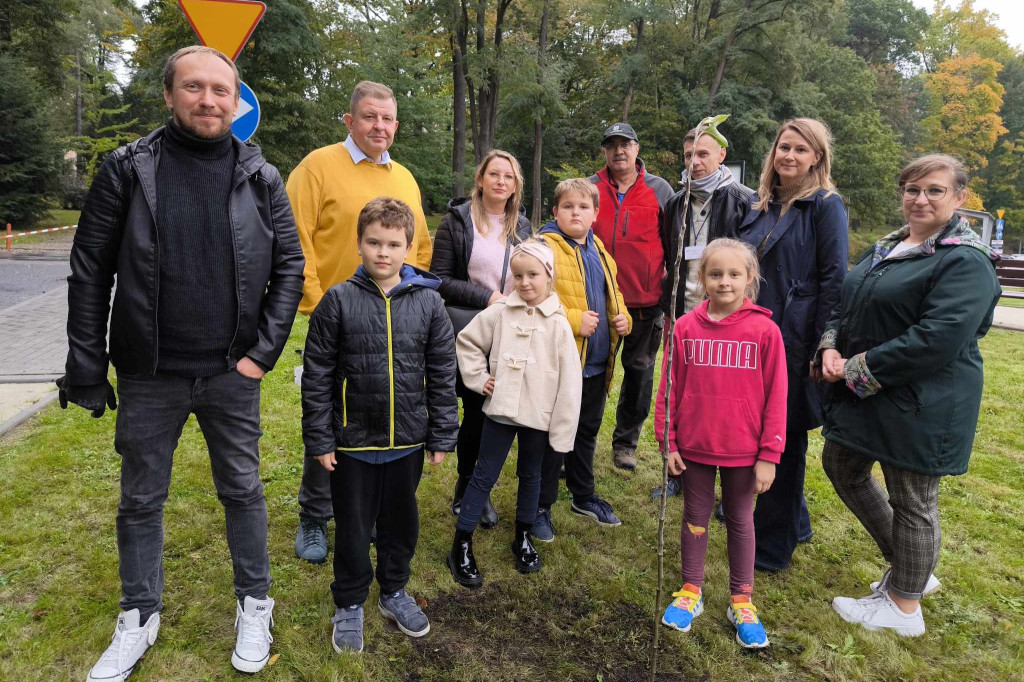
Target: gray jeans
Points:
(904, 522)
(151, 413)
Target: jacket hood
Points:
(746, 310)
(548, 307)
(411, 276)
(957, 232)
(551, 227)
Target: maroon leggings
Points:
(738, 504)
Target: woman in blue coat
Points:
(798, 226)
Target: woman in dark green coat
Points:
(901, 351)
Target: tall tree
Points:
(538, 125)
(485, 82)
(963, 112)
(30, 160)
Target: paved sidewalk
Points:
(33, 338)
(1008, 317)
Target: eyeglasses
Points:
(933, 194)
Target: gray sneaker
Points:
(406, 613)
(348, 629)
(311, 541)
(624, 459)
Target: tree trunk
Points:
(78, 94)
(457, 40)
(716, 84)
(636, 51)
(538, 126)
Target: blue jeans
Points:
(151, 413)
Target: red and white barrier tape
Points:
(25, 234)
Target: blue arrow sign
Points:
(247, 118)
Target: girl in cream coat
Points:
(521, 353)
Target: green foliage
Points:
(889, 80)
(30, 161)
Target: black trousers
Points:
(470, 431)
(579, 462)
(365, 494)
(777, 515)
(639, 355)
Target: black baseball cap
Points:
(620, 130)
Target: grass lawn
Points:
(586, 616)
(1012, 302)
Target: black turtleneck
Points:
(197, 310)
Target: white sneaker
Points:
(879, 612)
(253, 622)
(126, 647)
(931, 587)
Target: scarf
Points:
(957, 232)
(703, 188)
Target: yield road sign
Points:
(223, 24)
(247, 118)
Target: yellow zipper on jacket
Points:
(391, 364)
(344, 402)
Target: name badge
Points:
(693, 252)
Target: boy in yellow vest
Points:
(585, 283)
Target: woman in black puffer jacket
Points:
(471, 252)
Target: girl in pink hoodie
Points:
(727, 412)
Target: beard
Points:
(203, 135)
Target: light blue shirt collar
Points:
(358, 155)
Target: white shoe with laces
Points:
(880, 612)
(253, 622)
(127, 645)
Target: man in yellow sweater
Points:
(331, 185)
(327, 191)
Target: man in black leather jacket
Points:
(198, 230)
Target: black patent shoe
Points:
(460, 492)
(527, 558)
(461, 561)
(489, 517)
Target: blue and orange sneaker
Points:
(749, 631)
(687, 605)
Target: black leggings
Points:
(494, 449)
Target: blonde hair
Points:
(541, 243)
(580, 186)
(749, 262)
(819, 137)
(372, 90)
(922, 166)
(510, 220)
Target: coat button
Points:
(779, 268)
(778, 299)
(529, 311)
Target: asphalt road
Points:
(23, 277)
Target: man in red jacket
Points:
(631, 201)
